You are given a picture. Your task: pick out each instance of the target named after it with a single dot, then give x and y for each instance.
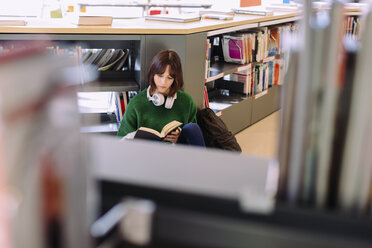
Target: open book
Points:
(149, 133)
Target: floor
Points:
(261, 139)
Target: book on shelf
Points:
(218, 17)
(206, 98)
(120, 64)
(118, 105)
(95, 20)
(233, 48)
(151, 134)
(284, 7)
(12, 22)
(105, 59)
(254, 10)
(174, 18)
(244, 77)
(217, 11)
(114, 58)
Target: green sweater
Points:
(141, 112)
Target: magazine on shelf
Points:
(151, 134)
(174, 18)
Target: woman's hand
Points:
(173, 136)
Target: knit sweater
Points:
(141, 112)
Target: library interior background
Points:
(283, 95)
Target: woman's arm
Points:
(193, 110)
(129, 122)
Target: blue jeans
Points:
(191, 134)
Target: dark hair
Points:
(158, 66)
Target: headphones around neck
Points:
(158, 99)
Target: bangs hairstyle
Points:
(158, 66)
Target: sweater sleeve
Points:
(129, 122)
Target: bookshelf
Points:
(226, 91)
(146, 38)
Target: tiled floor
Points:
(261, 139)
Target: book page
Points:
(169, 127)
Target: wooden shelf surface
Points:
(138, 26)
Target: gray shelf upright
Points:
(266, 104)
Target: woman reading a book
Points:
(163, 102)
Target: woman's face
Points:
(163, 82)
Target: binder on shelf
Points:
(233, 48)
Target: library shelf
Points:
(144, 39)
(110, 128)
(116, 86)
(220, 69)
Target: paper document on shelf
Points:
(218, 106)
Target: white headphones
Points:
(158, 99)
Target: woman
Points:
(163, 102)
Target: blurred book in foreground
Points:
(40, 141)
